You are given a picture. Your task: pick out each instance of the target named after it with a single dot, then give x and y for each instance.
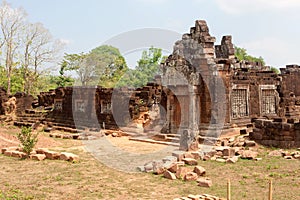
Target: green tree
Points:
(241, 54)
(148, 66)
(103, 66)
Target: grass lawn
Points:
(89, 179)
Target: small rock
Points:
(229, 152)
(258, 159)
(141, 168)
(188, 155)
(249, 143)
(169, 159)
(191, 176)
(200, 171)
(190, 161)
(221, 160)
(3, 150)
(233, 159)
(169, 175)
(179, 155)
(8, 153)
(114, 134)
(288, 157)
(204, 182)
(248, 154)
(297, 156)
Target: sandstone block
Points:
(230, 152)
(182, 171)
(52, 155)
(169, 175)
(248, 154)
(200, 171)
(38, 157)
(233, 159)
(191, 176)
(190, 161)
(204, 182)
(69, 157)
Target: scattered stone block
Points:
(3, 150)
(200, 171)
(69, 157)
(193, 197)
(170, 159)
(158, 167)
(288, 157)
(8, 153)
(38, 157)
(191, 176)
(141, 168)
(249, 143)
(190, 161)
(221, 160)
(169, 175)
(233, 159)
(182, 171)
(173, 168)
(52, 155)
(248, 154)
(230, 152)
(204, 182)
(179, 155)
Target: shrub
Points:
(28, 139)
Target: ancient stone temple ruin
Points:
(204, 91)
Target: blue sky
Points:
(267, 28)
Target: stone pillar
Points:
(194, 110)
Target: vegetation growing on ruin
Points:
(241, 54)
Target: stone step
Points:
(144, 139)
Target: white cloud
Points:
(275, 51)
(247, 6)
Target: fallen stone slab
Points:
(8, 153)
(38, 157)
(169, 175)
(190, 161)
(169, 159)
(3, 150)
(248, 154)
(204, 182)
(18, 154)
(69, 157)
(191, 176)
(200, 171)
(52, 155)
(233, 159)
(182, 171)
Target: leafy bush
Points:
(28, 139)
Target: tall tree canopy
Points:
(25, 49)
(148, 66)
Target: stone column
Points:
(194, 110)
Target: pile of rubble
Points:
(286, 154)
(199, 197)
(173, 167)
(39, 154)
(88, 135)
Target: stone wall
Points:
(279, 132)
(3, 98)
